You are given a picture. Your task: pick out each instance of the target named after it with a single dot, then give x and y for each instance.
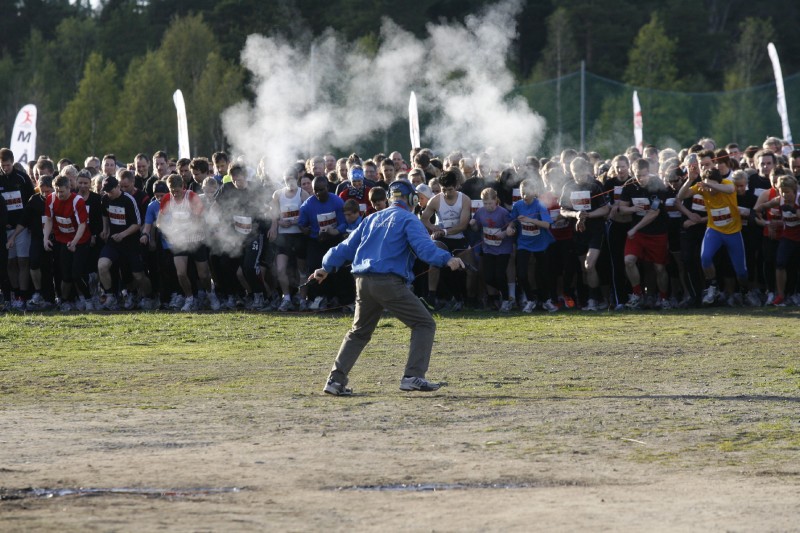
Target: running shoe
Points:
(286, 305)
(214, 301)
(778, 301)
(188, 304)
(591, 305)
(337, 389)
(549, 306)
(529, 307)
(413, 383)
(634, 301)
(710, 295)
(567, 300)
(506, 306)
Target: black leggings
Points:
(545, 282)
(494, 272)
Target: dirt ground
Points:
(526, 466)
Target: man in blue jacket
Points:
(382, 253)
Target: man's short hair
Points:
(6, 154)
(377, 194)
(61, 181)
(219, 156)
(449, 179)
(199, 164)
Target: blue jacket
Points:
(313, 207)
(385, 243)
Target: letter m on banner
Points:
(23, 138)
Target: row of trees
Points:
(125, 112)
(103, 80)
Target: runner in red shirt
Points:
(180, 220)
(66, 219)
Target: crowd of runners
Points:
(662, 229)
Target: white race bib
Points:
(13, 200)
(475, 205)
(493, 236)
(581, 200)
(243, 225)
(644, 203)
(529, 229)
(116, 215)
(326, 220)
(721, 216)
(65, 225)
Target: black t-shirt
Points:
(473, 186)
(652, 196)
(122, 213)
(16, 190)
(32, 216)
(614, 188)
(94, 207)
(756, 182)
(243, 209)
(584, 196)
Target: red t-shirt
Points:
(67, 215)
(190, 203)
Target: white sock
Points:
(512, 291)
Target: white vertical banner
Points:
(413, 121)
(183, 126)
(638, 124)
(23, 136)
(782, 110)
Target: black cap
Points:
(110, 183)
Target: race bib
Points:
(672, 208)
(116, 215)
(65, 225)
(362, 208)
(617, 192)
(13, 200)
(290, 216)
(529, 229)
(475, 205)
(181, 216)
(326, 220)
(516, 195)
(644, 203)
(744, 212)
(791, 220)
(759, 192)
(721, 216)
(493, 236)
(581, 200)
(698, 203)
(243, 225)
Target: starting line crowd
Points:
(659, 229)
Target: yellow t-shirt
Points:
(722, 209)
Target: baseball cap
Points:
(356, 174)
(425, 190)
(110, 183)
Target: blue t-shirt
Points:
(492, 227)
(530, 237)
(150, 217)
(314, 213)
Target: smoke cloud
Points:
(331, 93)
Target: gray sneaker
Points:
(336, 389)
(412, 383)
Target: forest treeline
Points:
(103, 78)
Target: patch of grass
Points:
(688, 385)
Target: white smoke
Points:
(332, 94)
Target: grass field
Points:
(661, 421)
